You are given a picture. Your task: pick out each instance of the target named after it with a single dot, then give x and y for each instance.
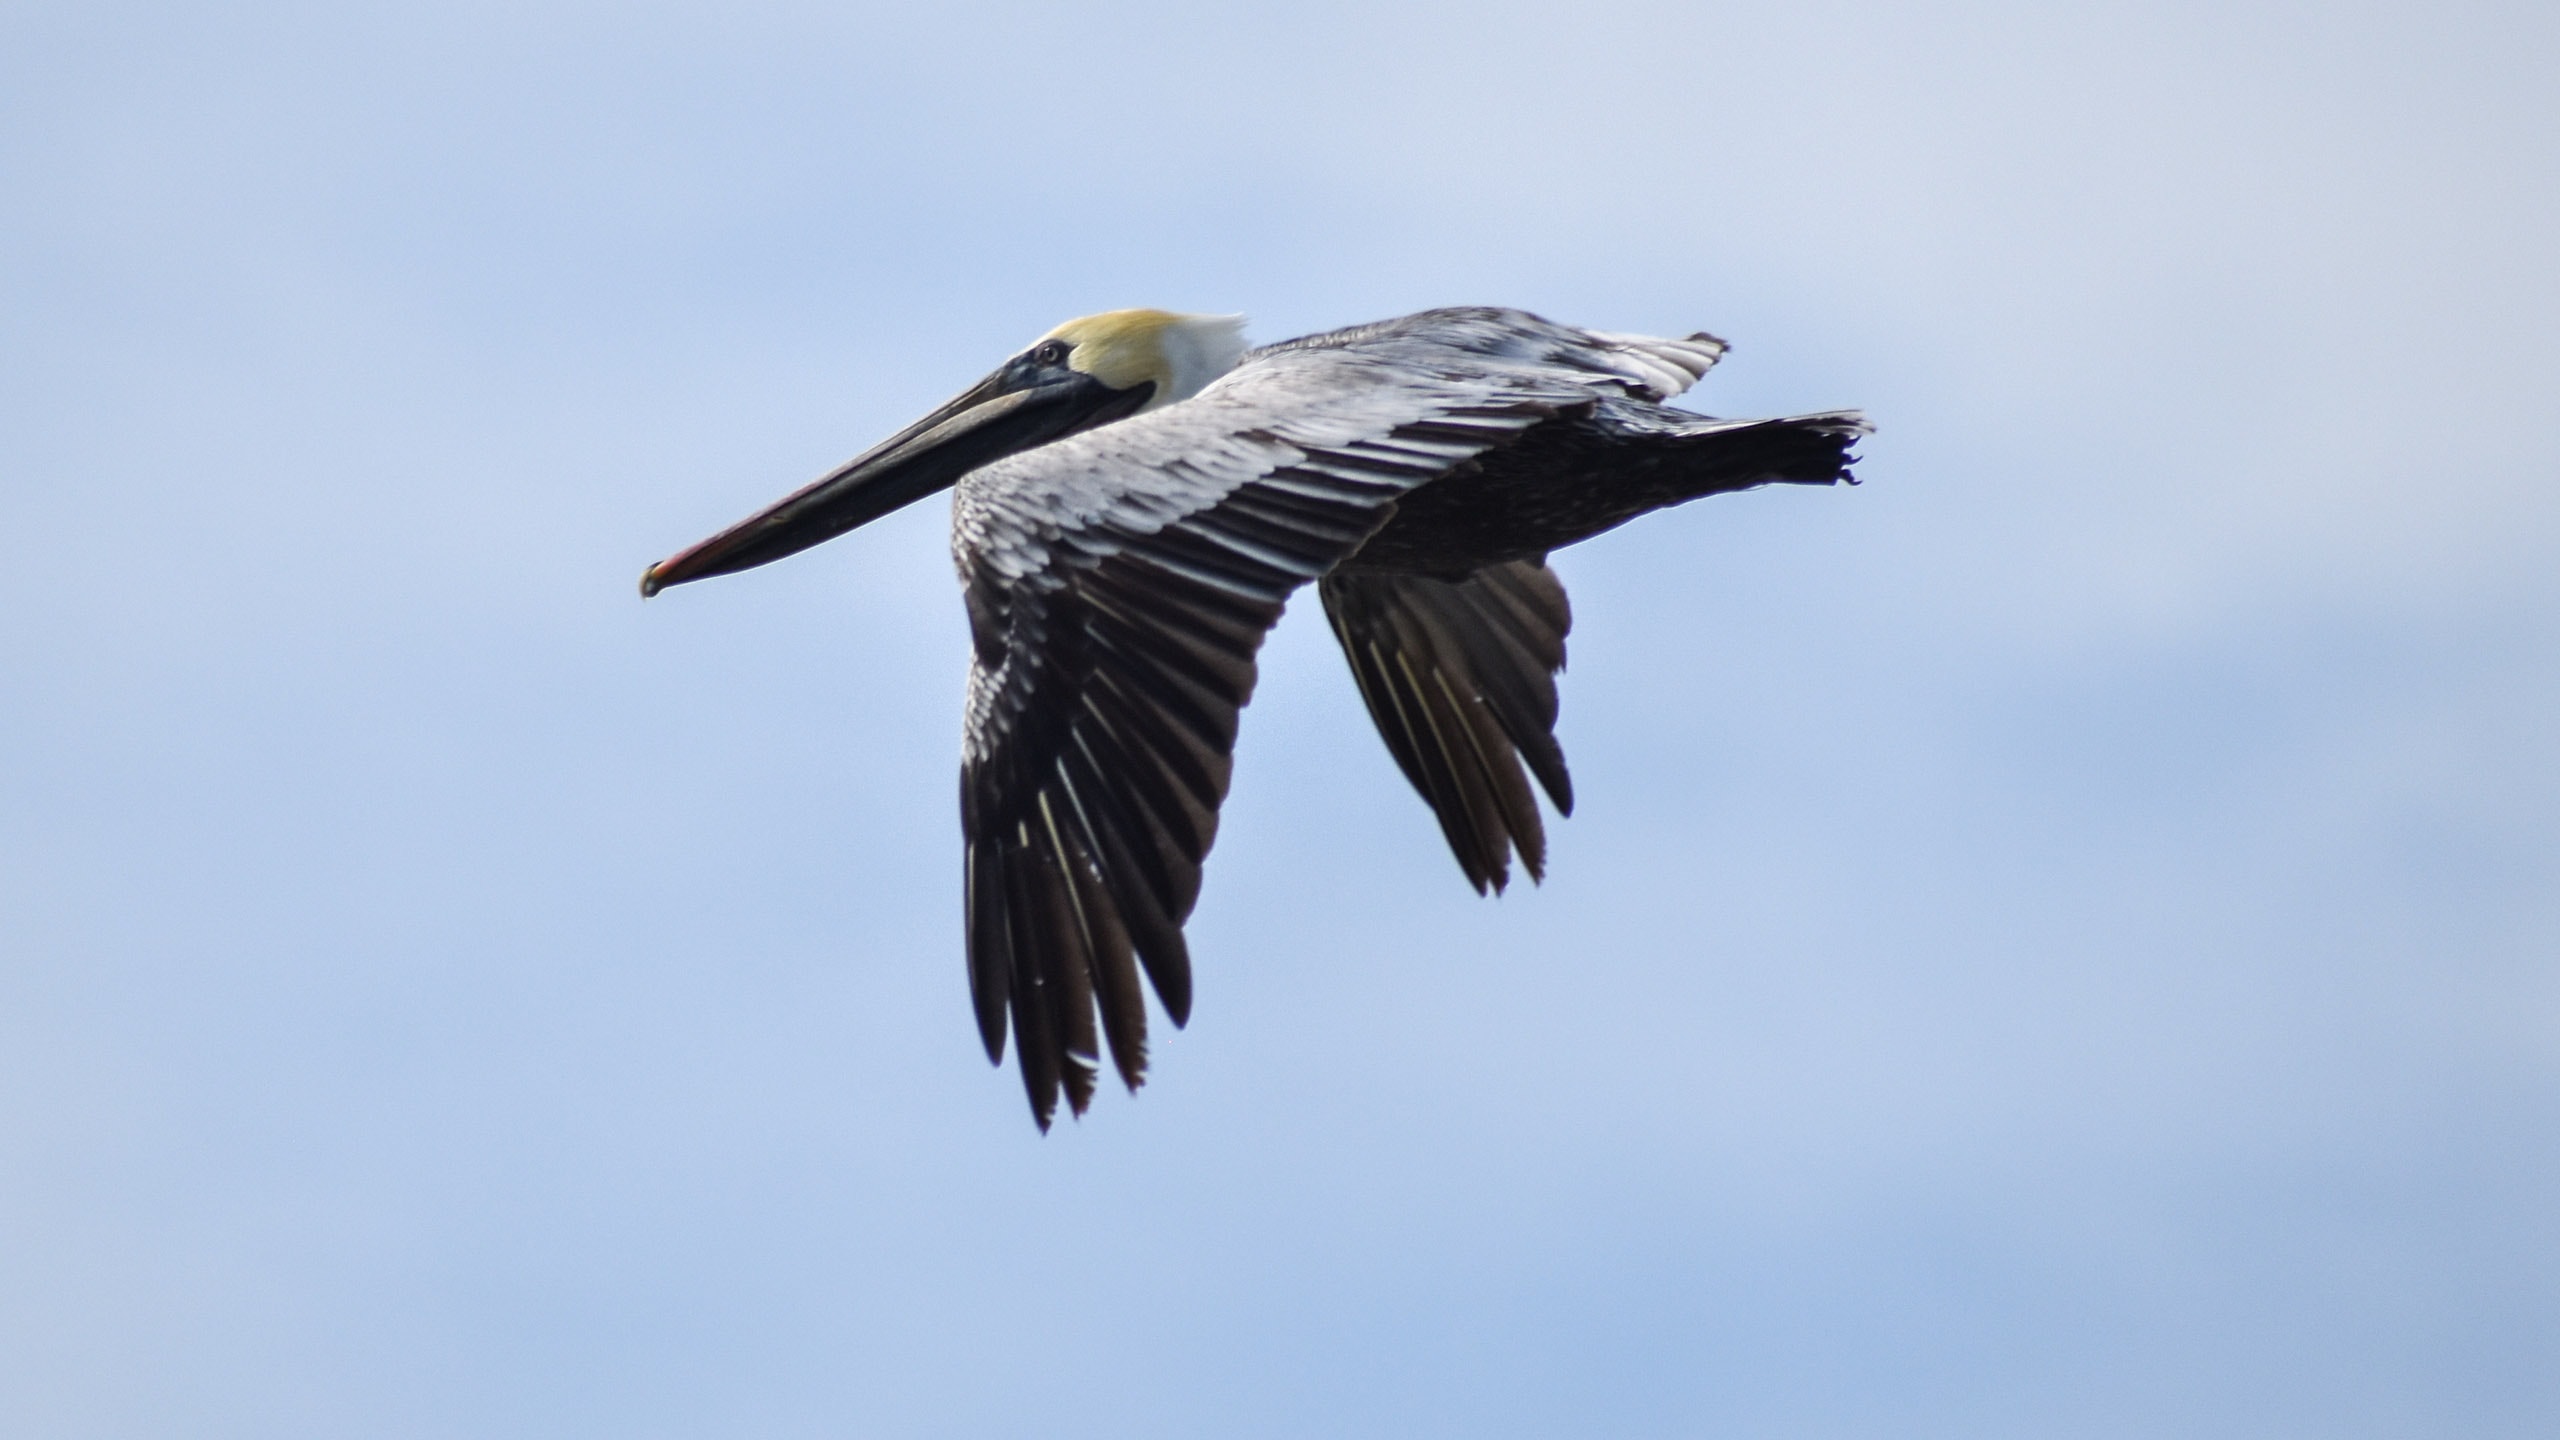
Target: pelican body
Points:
(1136, 496)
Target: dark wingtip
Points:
(1079, 1078)
(649, 583)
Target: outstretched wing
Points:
(1460, 674)
(1460, 677)
(1120, 583)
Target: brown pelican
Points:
(1138, 494)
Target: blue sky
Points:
(2061, 939)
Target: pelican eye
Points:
(1049, 352)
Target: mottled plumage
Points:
(1120, 579)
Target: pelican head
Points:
(1085, 373)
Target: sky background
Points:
(2063, 939)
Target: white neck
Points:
(1197, 349)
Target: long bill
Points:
(1012, 410)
